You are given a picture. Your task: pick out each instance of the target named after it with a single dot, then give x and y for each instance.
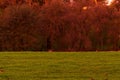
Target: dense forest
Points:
(58, 25)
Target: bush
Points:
(18, 28)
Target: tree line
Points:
(59, 26)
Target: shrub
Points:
(18, 28)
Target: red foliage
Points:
(59, 26)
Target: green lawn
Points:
(59, 65)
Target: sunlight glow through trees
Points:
(109, 2)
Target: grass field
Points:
(60, 66)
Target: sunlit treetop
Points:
(109, 2)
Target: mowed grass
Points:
(60, 66)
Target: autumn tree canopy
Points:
(59, 26)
